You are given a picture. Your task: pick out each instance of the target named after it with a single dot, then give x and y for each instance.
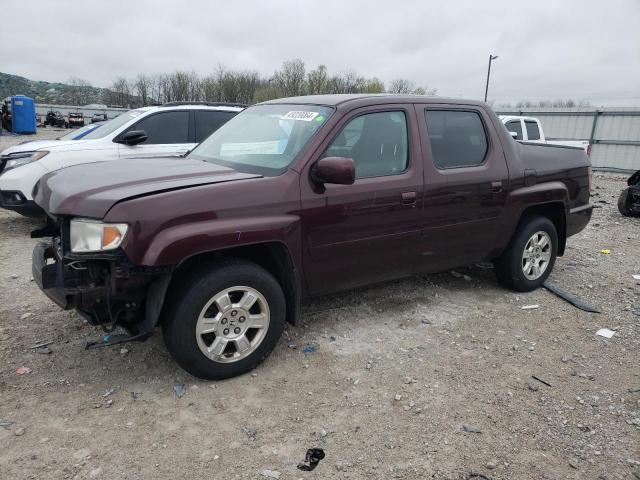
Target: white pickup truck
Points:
(529, 129)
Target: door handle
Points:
(409, 198)
(496, 186)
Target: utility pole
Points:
(486, 88)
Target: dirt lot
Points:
(398, 370)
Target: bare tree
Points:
(401, 85)
(143, 85)
(318, 81)
(80, 91)
(119, 93)
(290, 79)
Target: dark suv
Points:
(299, 197)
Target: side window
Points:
(377, 142)
(533, 132)
(165, 127)
(457, 138)
(515, 126)
(208, 121)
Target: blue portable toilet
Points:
(23, 113)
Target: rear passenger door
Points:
(463, 157)
(168, 134)
(208, 121)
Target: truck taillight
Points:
(589, 151)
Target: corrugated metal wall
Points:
(615, 139)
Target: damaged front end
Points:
(104, 287)
(629, 200)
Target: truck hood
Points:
(33, 145)
(90, 190)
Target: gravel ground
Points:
(397, 373)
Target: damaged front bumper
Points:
(105, 288)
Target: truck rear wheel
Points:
(530, 257)
(224, 319)
(623, 203)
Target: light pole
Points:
(486, 88)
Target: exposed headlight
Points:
(18, 159)
(95, 236)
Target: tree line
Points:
(247, 86)
(548, 104)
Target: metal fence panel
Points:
(611, 127)
(614, 133)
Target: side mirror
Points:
(514, 135)
(337, 170)
(133, 137)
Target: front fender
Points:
(177, 243)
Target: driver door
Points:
(369, 231)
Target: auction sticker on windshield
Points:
(301, 115)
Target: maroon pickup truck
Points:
(299, 197)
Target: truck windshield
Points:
(264, 139)
(112, 125)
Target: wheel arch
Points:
(273, 256)
(554, 211)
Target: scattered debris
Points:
(492, 465)
(310, 349)
(43, 344)
(180, 390)
(250, 432)
(6, 424)
(605, 251)
(313, 457)
(292, 345)
(540, 380)
(398, 397)
(23, 370)
(460, 275)
(533, 387)
(18, 432)
(108, 393)
(471, 429)
(124, 351)
(43, 350)
(606, 333)
(426, 321)
(409, 380)
(471, 474)
(634, 390)
(24, 316)
(636, 276)
(572, 299)
(270, 474)
(135, 395)
(530, 307)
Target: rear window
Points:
(457, 138)
(208, 122)
(533, 132)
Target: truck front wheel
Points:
(530, 257)
(224, 319)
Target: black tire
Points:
(509, 268)
(623, 203)
(189, 297)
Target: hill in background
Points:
(56, 93)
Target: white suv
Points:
(172, 129)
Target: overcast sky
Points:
(548, 49)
